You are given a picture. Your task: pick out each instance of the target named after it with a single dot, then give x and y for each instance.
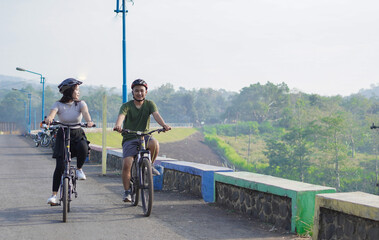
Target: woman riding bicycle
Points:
(135, 115)
(70, 110)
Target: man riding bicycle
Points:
(135, 115)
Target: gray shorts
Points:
(130, 148)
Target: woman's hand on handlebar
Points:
(90, 124)
(49, 120)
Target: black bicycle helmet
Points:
(66, 84)
(139, 82)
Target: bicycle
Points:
(141, 181)
(69, 178)
(42, 138)
(53, 137)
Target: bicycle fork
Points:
(71, 185)
(142, 155)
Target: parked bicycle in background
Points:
(46, 136)
(42, 138)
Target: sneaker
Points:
(53, 201)
(127, 197)
(80, 174)
(155, 171)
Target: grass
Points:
(257, 146)
(114, 138)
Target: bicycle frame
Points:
(69, 171)
(68, 180)
(142, 151)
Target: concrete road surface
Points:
(98, 212)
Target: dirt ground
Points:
(191, 149)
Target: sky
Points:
(326, 47)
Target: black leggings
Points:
(79, 149)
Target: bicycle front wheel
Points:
(147, 190)
(65, 199)
(134, 184)
(45, 141)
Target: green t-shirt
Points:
(137, 119)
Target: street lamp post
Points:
(124, 12)
(35, 119)
(30, 106)
(25, 112)
(43, 88)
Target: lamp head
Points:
(20, 69)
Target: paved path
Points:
(98, 212)
(191, 149)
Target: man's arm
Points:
(160, 121)
(119, 121)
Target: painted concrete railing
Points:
(286, 204)
(193, 177)
(350, 215)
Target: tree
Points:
(94, 100)
(333, 134)
(291, 153)
(260, 102)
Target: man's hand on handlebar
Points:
(117, 129)
(166, 127)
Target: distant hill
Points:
(372, 92)
(9, 82)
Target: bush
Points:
(231, 155)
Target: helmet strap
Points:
(138, 100)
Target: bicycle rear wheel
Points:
(147, 190)
(134, 185)
(71, 187)
(65, 199)
(37, 140)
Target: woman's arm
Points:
(49, 119)
(87, 116)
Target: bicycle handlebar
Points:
(70, 125)
(140, 133)
(373, 126)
